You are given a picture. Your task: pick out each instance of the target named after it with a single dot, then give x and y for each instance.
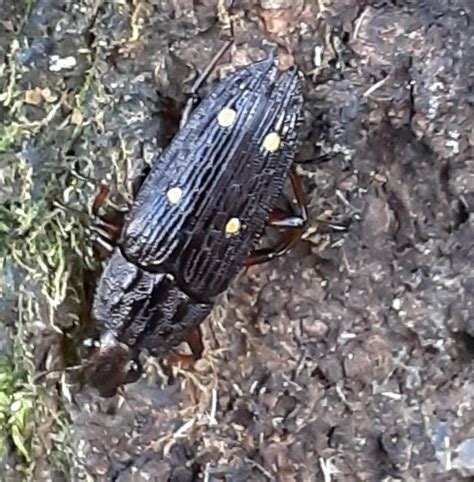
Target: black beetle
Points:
(197, 219)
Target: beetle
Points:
(197, 219)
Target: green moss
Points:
(8, 137)
(16, 401)
(42, 239)
(43, 216)
(44, 244)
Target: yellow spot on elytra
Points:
(174, 195)
(233, 226)
(226, 117)
(271, 142)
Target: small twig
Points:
(212, 415)
(359, 24)
(374, 87)
(184, 428)
(327, 468)
(262, 469)
(206, 473)
(344, 201)
(343, 397)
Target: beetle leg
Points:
(104, 231)
(99, 200)
(299, 195)
(193, 95)
(293, 224)
(194, 340)
(104, 249)
(289, 240)
(111, 229)
(175, 358)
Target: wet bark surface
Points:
(351, 358)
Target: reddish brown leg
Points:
(194, 340)
(106, 232)
(293, 225)
(113, 230)
(99, 200)
(103, 248)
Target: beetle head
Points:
(111, 365)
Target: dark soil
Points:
(351, 358)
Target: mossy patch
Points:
(42, 241)
(43, 253)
